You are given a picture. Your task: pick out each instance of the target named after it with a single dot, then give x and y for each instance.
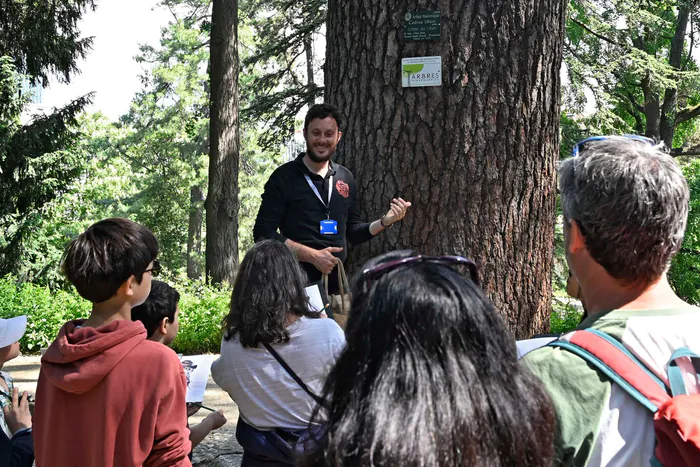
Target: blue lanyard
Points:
(318, 195)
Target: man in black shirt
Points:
(314, 202)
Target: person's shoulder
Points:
(286, 169)
(342, 171)
(156, 356)
(561, 370)
(552, 358)
(325, 327)
(232, 344)
(283, 175)
(323, 323)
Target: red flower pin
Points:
(342, 188)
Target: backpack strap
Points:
(675, 375)
(294, 376)
(610, 357)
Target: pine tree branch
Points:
(632, 100)
(598, 35)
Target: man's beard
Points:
(316, 158)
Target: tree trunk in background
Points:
(675, 59)
(194, 233)
(309, 52)
(222, 198)
(476, 156)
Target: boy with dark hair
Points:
(159, 315)
(106, 395)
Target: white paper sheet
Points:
(315, 300)
(197, 369)
(528, 345)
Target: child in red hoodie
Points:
(106, 395)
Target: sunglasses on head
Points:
(577, 147)
(155, 270)
(377, 271)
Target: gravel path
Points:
(219, 449)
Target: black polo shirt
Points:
(291, 206)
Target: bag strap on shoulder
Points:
(294, 376)
(675, 375)
(619, 364)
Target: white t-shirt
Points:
(267, 397)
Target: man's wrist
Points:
(21, 431)
(381, 222)
(302, 252)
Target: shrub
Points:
(46, 311)
(201, 310)
(566, 313)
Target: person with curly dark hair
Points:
(430, 375)
(275, 355)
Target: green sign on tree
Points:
(422, 26)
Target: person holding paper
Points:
(159, 316)
(275, 354)
(314, 203)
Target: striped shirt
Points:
(266, 395)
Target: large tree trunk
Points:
(222, 198)
(194, 233)
(476, 156)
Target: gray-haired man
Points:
(625, 208)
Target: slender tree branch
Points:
(598, 35)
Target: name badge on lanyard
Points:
(327, 226)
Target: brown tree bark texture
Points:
(222, 198)
(476, 156)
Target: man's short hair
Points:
(161, 303)
(322, 111)
(103, 257)
(631, 202)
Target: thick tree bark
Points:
(477, 155)
(222, 198)
(194, 233)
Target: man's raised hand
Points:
(397, 211)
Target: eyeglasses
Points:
(583, 142)
(155, 270)
(383, 268)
